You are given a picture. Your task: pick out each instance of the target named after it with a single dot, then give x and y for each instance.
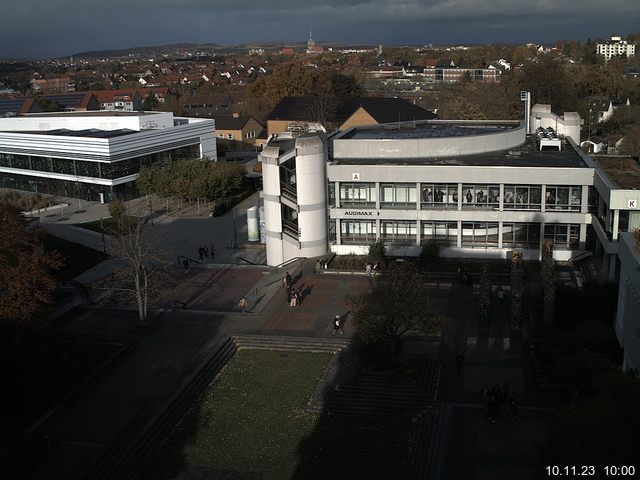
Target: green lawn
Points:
(77, 258)
(106, 224)
(252, 418)
(251, 423)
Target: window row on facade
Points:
(452, 234)
(84, 168)
(457, 196)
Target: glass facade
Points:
(563, 198)
(398, 232)
(480, 196)
(359, 195)
(398, 195)
(522, 197)
(442, 233)
(564, 236)
(83, 168)
(439, 195)
(358, 231)
(521, 235)
(479, 234)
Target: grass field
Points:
(251, 423)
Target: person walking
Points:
(243, 304)
(287, 280)
(185, 264)
(294, 298)
(513, 404)
(460, 363)
(337, 326)
(213, 252)
(201, 253)
(368, 269)
(206, 252)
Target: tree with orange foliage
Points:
(26, 282)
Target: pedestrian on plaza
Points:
(492, 408)
(293, 302)
(185, 263)
(460, 363)
(287, 280)
(206, 252)
(337, 325)
(213, 251)
(201, 253)
(513, 404)
(243, 304)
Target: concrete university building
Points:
(95, 155)
(477, 189)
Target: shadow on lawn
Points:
(352, 445)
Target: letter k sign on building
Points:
(632, 204)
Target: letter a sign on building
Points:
(355, 177)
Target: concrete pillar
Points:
(272, 207)
(543, 198)
(584, 207)
(583, 236)
(616, 222)
(377, 190)
(459, 198)
(459, 239)
(337, 194)
(418, 196)
(338, 231)
(500, 234)
(501, 206)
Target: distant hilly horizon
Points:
(119, 52)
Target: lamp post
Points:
(589, 125)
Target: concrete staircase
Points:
(290, 343)
(375, 393)
(127, 462)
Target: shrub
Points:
(377, 253)
(429, 255)
(117, 208)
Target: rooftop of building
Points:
(88, 133)
(622, 171)
(92, 113)
(429, 129)
(527, 155)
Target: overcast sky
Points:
(49, 28)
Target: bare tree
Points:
(141, 273)
(396, 304)
(322, 109)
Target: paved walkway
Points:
(132, 391)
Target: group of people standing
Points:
(203, 252)
(495, 396)
(294, 295)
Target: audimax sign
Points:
(359, 213)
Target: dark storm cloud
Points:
(41, 28)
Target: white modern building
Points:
(95, 155)
(477, 189)
(628, 315)
(615, 47)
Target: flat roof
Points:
(624, 172)
(89, 113)
(428, 129)
(525, 155)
